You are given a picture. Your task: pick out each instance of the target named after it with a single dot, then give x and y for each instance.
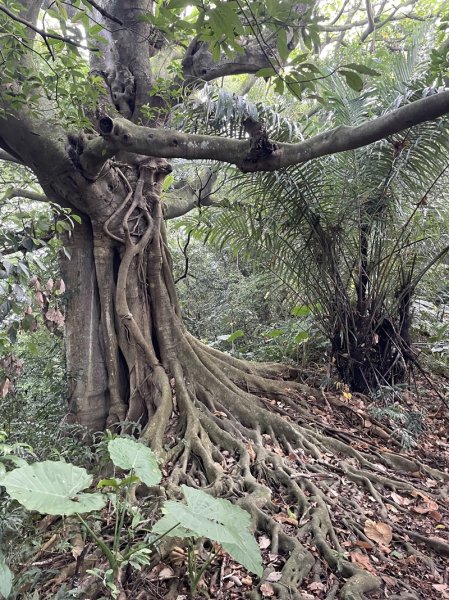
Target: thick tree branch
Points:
(199, 65)
(9, 158)
(185, 196)
(371, 24)
(122, 135)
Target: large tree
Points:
(129, 354)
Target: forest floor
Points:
(349, 418)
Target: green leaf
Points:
(16, 460)
(301, 337)
(274, 333)
(266, 72)
(5, 578)
(114, 483)
(128, 454)
(361, 69)
(282, 44)
(279, 85)
(234, 336)
(353, 80)
(52, 488)
(167, 182)
(301, 311)
(216, 519)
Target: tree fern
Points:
(347, 231)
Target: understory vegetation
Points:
(224, 326)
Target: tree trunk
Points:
(88, 390)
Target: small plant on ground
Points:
(57, 488)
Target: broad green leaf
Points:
(167, 182)
(279, 85)
(16, 460)
(274, 333)
(5, 578)
(128, 454)
(52, 488)
(282, 44)
(301, 311)
(214, 518)
(352, 79)
(266, 72)
(301, 337)
(234, 336)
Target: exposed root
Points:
(244, 432)
(276, 459)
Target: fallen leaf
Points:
(440, 587)
(274, 576)
(381, 533)
(77, 545)
(5, 387)
(285, 519)
(399, 499)
(166, 573)
(264, 542)
(425, 507)
(220, 413)
(435, 515)
(267, 590)
(160, 571)
(391, 581)
(251, 452)
(316, 586)
(410, 560)
(362, 560)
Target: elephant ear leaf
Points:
(53, 488)
(5, 578)
(134, 456)
(214, 518)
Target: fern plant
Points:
(353, 233)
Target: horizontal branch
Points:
(28, 194)
(186, 195)
(122, 135)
